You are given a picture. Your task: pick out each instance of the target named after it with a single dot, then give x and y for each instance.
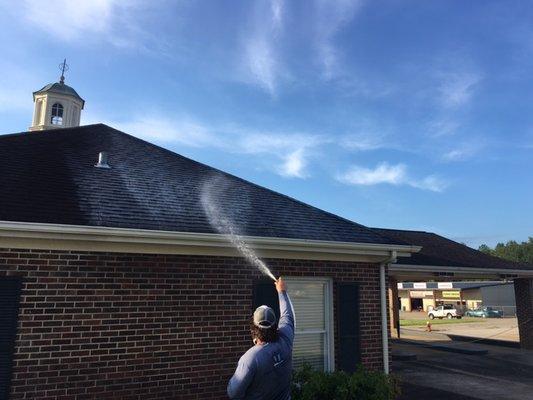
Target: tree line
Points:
(512, 250)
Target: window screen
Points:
(310, 299)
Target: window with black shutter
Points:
(312, 301)
(10, 288)
(348, 326)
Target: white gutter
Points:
(465, 270)
(57, 233)
(384, 321)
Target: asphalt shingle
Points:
(440, 251)
(49, 177)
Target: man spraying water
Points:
(264, 371)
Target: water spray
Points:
(226, 227)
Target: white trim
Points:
(472, 270)
(72, 237)
(384, 311)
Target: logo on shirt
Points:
(278, 360)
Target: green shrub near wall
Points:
(309, 384)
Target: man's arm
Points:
(241, 379)
(286, 319)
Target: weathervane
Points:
(64, 68)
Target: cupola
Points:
(56, 105)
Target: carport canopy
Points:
(446, 260)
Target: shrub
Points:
(308, 384)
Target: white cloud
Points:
(294, 165)
(431, 182)
(261, 59)
(286, 153)
(117, 22)
(385, 173)
(70, 20)
(456, 88)
(159, 128)
(332, 16)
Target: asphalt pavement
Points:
(501, 374)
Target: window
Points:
(57, 114)
(313, 342)
(312, 300)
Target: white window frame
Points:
(329, 332)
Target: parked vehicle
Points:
(445, 311)
(484, 312)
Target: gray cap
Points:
(264, 317)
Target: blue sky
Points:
(400, 114)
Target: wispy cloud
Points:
(117, 22)
(287, 154)
(385, 173)
(365, 141)
(185, 131)
(331, 17)
(261, 56)
(457, 87)
(443, 127)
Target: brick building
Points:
(115, 284)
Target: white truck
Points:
(445, 311)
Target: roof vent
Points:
(102, 160)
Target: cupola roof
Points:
(60, 88)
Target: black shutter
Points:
(9, 307)
(265, 294)
(348, 326)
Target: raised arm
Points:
(286, 318)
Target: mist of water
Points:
(226, 227)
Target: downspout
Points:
(384, 323)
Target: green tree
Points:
(512, 250)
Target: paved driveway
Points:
(497, 328)
(502, 374)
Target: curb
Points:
(492, 342)
(472, 352)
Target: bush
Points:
(308, 384)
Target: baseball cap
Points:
(264, 317)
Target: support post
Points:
(384, 330)
(523, 289)
(394, 308)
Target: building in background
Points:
(421, 296)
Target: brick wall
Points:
(129, 326)
(523, 289)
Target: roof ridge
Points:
(399, 230)
(48, 131)
(363, 227)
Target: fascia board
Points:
(11, 231)
(469, 270)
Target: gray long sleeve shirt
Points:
(264, 371)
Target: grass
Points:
(422, 322)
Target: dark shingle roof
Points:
(61, 88)
(440, 251)
(49, 177)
